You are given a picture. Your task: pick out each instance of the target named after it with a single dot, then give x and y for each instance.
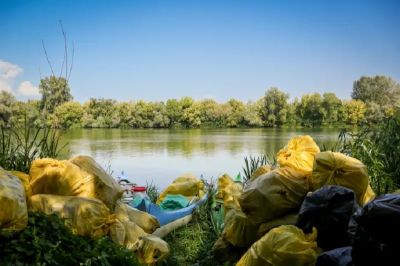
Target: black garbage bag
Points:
(377, 238)
(329, 210)
(335, 257)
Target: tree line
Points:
(373, 99)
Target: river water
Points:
(160, 155)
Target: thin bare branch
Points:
(65, 49)
(47, 58)
(72, 60)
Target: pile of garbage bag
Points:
(88, 200)
(313, 207)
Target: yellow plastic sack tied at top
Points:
(239, 230)
(298, 154)
(84, 216)
(260, 171)
(289, 219)
(286, 245)
(146, 221)
(149, 249)
(13, 209)
(229, 192)
(187, 185)
(81, 176)
(333, 168)
(152, 249)
(274, 194)
(25, 180)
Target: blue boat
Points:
(166, 217)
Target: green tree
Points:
(68, 114)
(191, 116)
(100, 113)
(252, 116)
(311, 110)
(275, 107)
(354, 112)
(55, 91)
(381, 90)
(7, 101)
(234, 110)
(174, 111)
(333, 107)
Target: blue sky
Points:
(155, 50)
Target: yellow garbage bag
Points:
(152, 249)
(239, 230)
(333, 168)
(149, 249)
(369, 195)
(187, 185)
(260, 171)
(274, 194)
(133, 233)
(25, 179)
(283, 246)
(13, 209)
(84, 216)
(289, 219)
(79, 177)
(229, 192)
(146, 221)
(298, 154)
(117, 232)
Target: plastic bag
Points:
(333, 168)
(228, 192)
(377, 235)
(283, 246)
(239, 230)
(336, 257)
(146, 221)
(224, 251)
(298, 154)
(13, 210)
(329, 209)
(186, 185)
(174, 202)
(81, 176)
(274, 194)
(84, 216)
(289, 219)
(107, 188)
(25, 179)
(152, 249)
(260, 171)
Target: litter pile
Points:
(85, 197)
(315, 208)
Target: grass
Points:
(21, 145)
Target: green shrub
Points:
(46, 241)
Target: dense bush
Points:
(46, 241)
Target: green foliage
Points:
(20, 146)
(100, 113)
(311, 110)
(46, 241)
(354, 112)
(7, 100)
(275, 107)
(252, 163)
(68, 115)
(152, 191)
(381, 90)
(379, 149)
(192, 244)
(55, 91)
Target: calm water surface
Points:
(160, 155)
